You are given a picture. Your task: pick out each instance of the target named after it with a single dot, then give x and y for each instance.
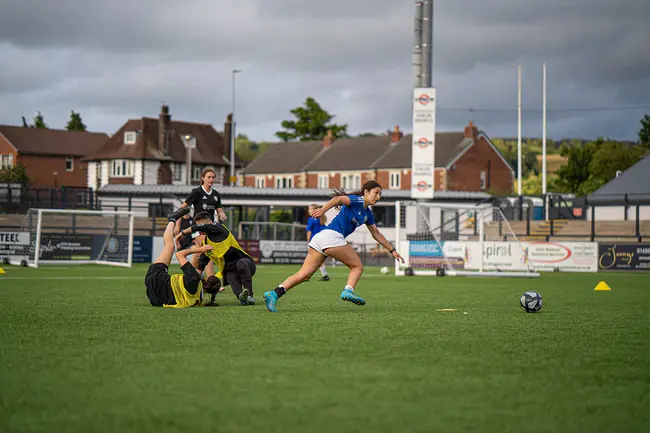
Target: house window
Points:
(395, 180)
(351, 182)
(6, 161)
(323, 181)
(122, 168)
(177, 172)
(69, 163)
(129, 137)
(260, 182)
(196, 172)
(483, 180)
(284, 182)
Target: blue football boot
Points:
(271, 298)
(349, 296)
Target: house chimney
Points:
(471, 131)
(328, 140)
(164, 120)
(396, 135)
(227, 136)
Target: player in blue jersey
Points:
(315, 225)
(331, 242)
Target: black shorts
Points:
(159, 286)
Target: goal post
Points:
(458, 240)
(75, 237)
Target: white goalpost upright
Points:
(459, 240)
(75, 237)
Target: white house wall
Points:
(617, 213)
(138, 168)
(151, 172)
(104, 173)
(91, 178)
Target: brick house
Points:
(52, 157)
(150, 151)
(464, 161)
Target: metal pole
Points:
(233, 130)
(417, 46)
(188, 159)
(519, 132)
(544, 130)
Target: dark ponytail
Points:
(367, 186)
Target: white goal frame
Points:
(37, 245)
(400, 269)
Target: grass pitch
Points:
(82, 350)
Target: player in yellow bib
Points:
(234, 265)
(178, 290)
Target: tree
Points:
(16, 174)
(312, 123)
(591, 166)
(39, 122)
(576, 170)
(75, 123)
(25, 125)
(644, 132)
(247, 149)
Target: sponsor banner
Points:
(423, 145)
(60, 246)
(624, 257)
(543, 256)
(116, 248)
(565, 256)
(252, 248)
(291, 252)
(429, 254)
(14, 245)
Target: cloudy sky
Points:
(119, 59)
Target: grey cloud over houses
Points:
(121, 59)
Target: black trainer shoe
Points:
(325, 278)
(178, 214)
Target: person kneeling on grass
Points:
(177, 290)
(235, 265)
(331, 242)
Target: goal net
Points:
(60, 236)
(459, 240)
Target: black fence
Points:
(15, 198)
(538, 217)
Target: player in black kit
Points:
(205, 198)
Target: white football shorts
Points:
(327, 239)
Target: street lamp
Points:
(233, 130)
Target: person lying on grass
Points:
(178, 290)
(235, 265)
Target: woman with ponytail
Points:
(330, 242)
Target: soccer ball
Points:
(531, 302)
(384, 270)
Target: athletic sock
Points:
(280, 291)
(350, 288)
(323, 271)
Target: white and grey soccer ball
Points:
(531, 302)
(384, 270)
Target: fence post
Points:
(593, 223)
(638, 223)
(625, 205)
(528, 222)
(130, 198)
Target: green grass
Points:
(89, 354)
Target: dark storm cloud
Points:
(120, 59)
